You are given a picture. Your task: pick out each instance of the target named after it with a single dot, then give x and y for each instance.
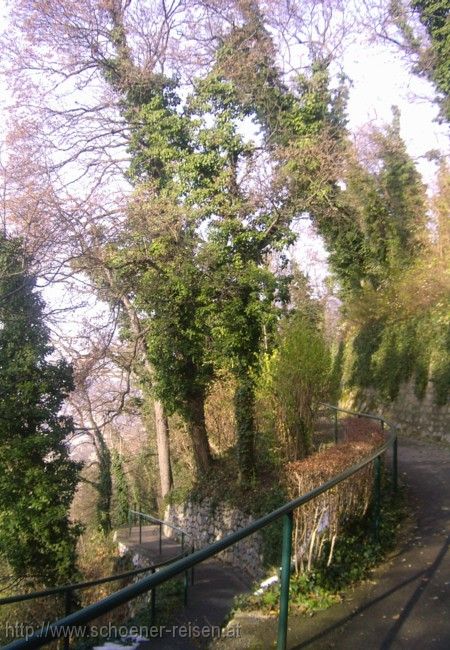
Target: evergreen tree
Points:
(37, 477)
(121, 496)
(378, 229)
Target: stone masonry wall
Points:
(416, 416)
(206, 524)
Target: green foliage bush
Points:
(296, 379)
(386, 353)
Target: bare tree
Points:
(64, 172)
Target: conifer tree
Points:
(37, 477)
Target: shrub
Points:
(318, 523)
(296, 380)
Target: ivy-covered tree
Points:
(195, 247)
(433, 57)
(378, 229)
(261, 188)
(388, 203)
(382, 256)
(37, 477)
(241, 290)
(156, 257)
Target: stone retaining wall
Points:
(416, 416)
(421, 416)
(206, 524)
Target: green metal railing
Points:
(182, 565)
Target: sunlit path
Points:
(148, 546)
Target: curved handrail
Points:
(146, 584)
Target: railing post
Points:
(377, 497)
(186, 574)
(185, 589)
(335, 427)
(140, 528)
(153, 601)
(192, 569)
(67, 611)
(160, 538)
(395, 465)
(130, 522)
(285, 580)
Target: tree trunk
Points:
(244, 408)
(121, 493)
(302, 435)
(163, 448)
(195, 420)
(161, 423)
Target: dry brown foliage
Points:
(321, 520)
(219, 414)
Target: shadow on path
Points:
(424, 576)
(406, 603)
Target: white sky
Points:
(381, 80)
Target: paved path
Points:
(148, 546)
(406, 604)
(210, 598)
